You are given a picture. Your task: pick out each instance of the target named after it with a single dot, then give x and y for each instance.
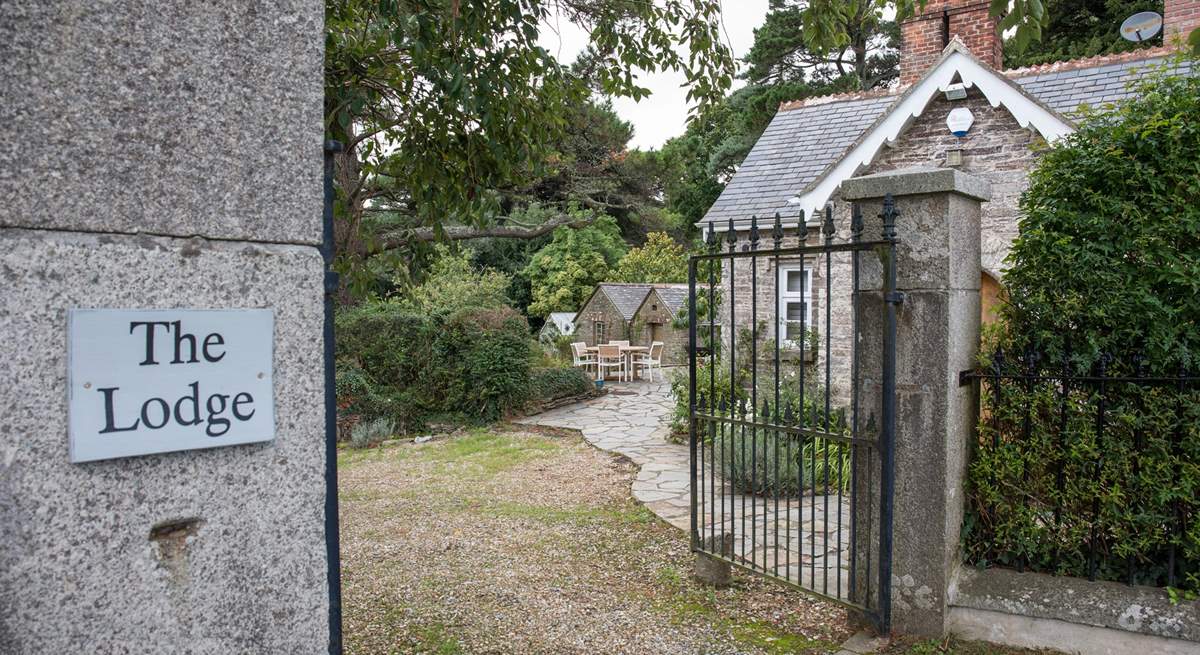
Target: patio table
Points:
(626, 351)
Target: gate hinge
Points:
(894, 297)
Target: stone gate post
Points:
(161, 176)
(938, 275)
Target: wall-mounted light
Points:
(956, 91)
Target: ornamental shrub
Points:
(550, 384)
(1105, 272)
(391, 363)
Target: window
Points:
(795, 303)
(598, 334)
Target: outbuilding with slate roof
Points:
(638, 313)
(811, 146)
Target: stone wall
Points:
(160, 155)
(996, 149)
(599, 309)
(654, 320)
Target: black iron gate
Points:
(791, 458)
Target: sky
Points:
(664, 113)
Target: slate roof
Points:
(625, 297)
(806, 137)
(674, 296)
(628, 297)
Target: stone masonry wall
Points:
(160, 155)
(599, 308)
(996, 148)
(643, 332)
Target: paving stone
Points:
(637, 426)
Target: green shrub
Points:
(371, 433)
(408, 367)
(495, 361)
(769, 464)
(1106, 264)
(549, 384)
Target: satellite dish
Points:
(1141, 26)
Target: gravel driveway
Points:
(513, 542)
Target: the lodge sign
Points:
(154, 381)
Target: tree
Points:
(785, 50)
(1109, 244)
(563, 274)
(784, 65)
(1082, 28)
(1027, 21)
(454, 284)
(442, 105)
(660, 260)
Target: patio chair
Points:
(580, 357)
(619, 343)
(608, 358)
(650, 361)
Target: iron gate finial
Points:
(889, 215)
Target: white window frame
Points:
(786, 296)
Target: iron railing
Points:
(1086, 465)
(785, 483)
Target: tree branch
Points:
(457, 233)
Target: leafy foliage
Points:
(392, 363)
(790, 46)
(442, 105)
(1105, 272)
(1109, 248)
(454, 284)
(1082, 28)
(550, 384)
(371, 433)
(563, 273)
(659, 260)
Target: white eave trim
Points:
(997, 89)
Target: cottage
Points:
(557, 324)
(954, 108)
(639, 313)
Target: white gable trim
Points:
(995, 87)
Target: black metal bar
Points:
(712, 383)
(1060, 474)
(333, 547)
(1100, 418)
(777, 242)
(829, 233)
(801, 412)
(892, 299)
(735, 469)
(754, 392)
(1176, 446)
(862, 246)
(695, 534)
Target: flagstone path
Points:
(632, 420)
(805, 540)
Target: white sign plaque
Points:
(155, 381)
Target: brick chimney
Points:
(1180, 17)
(925, 36)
